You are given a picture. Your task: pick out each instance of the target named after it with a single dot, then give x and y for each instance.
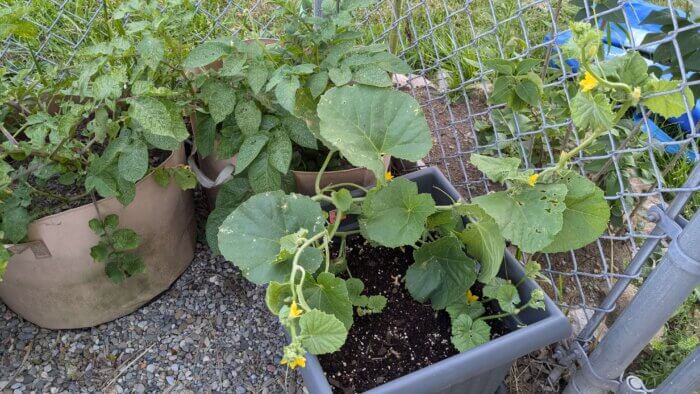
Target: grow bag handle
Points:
(39, 248)
(203, 179)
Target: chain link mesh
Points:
(447, 42)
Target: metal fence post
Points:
(685, 378)
(662, 293)
(318, 10)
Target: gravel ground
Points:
(210, 332)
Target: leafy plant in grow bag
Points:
(257, 99)
(283, 240)
(96, 131)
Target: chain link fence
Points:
(649, 161)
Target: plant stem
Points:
(500, 315)
(336, 185)
(297, 255)
(317, 184)
(605, 82)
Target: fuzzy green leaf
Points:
(252, 145)
(669, 104)
(372, 75)
(329, 294)
(530, 217)
(586, 215)
(126, 239)
(286, 92)
(468, 333)
(151, 51)
(280, 151)
(366, 123)
(321, 333)
(219, 97)
(250, 236)
(474, 309)
(133, 161)
(484, 241)
(205, 54)
(318, 82)
(441, 273)
(396, 214)
(14, 224)
(248, 117)
(340, 76)
(158, 117)
(591, 113)
(256, 77)
(262, 176)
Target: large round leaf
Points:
(396, 215)
(250, 236)
(586, 215)
(366, 123)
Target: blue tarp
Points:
(636, 12)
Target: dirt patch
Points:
(454, 137)
(404, 338)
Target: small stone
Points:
(170, 380)
(151, 368)
(139, 388)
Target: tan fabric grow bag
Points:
(67, 289)
(305, 180)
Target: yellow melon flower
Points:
(588, 83)
(298, 362)
(295, 311)
(532, 179)
(471, 297)
(388, 176)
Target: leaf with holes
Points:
(529, 217)
(586, 215)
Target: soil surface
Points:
(404, 338)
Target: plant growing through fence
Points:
(93, 133)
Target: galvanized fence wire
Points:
(447, 43)
(448, 32)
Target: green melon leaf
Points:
(528, 217)
(591, 113)
(321, 333)
(441, 273)
(395, 215)
(586, 215)
(670, 104)
(250, 236)
(497, 169)
(329, 294)
(366, 123)
(468, 333)
(276, 296)
(483, 240)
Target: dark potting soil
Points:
(404, 338)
